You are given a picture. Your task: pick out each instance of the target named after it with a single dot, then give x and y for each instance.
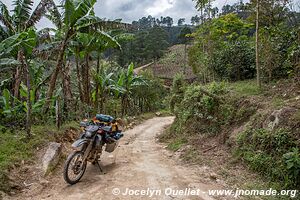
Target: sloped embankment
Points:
(243, 126)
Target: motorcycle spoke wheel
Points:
(74, 168)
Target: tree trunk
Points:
(67, 89)
(209, 9)
(57, 113)
(28, 113)
(17, 78)
(185, 64)
(201, 15)
(78, 77)
(88, 86)
(97, 85)
(85, 80)
(257, 46)
(57, 69)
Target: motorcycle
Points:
(88, 148)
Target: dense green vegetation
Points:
(151, 37)
(226, 106)
(272, 153)
(50, 72)
(224, 46)
(215, 111)
(52, 76)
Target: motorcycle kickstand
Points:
(101, 170)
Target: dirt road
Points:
(139, 163)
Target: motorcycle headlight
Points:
(88, 134)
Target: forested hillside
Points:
(230, 76)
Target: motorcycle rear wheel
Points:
(75, 164)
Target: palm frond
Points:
(3, 33)
(122, 37)
(40, 11)
(69, 10)
(21, 12)
(98, 23)
(10, 44)
(54, 16)
(109, 40)
(8, 62)
(5, 17)
(83, 8)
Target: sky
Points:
(130, 10)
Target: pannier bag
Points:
(111, 147)
(104, 118)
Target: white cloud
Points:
(159, 7)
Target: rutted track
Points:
(139, 163)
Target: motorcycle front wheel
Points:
(74, 167)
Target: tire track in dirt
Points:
(139, 163)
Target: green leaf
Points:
(21, 12)
(8, 62)
(23, 90)
(87, 21)
(10, 44)
(6, 99)
(69, 9)
(5, 17)
(75, 10)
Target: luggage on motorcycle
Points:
(104, 118)
(111, 147)
(106, 128)
(118, 135)
(114, 127)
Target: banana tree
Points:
(78, 16)
(22, 44)
(104, 82)
(126, 84)
(22, 18)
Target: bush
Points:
(235, 61)
(292, 164)
(200, 113)
(274, 154)
(177, 90)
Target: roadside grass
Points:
(149, 115)
(277, 102)
(260, 185)
(245, 88)
(176, 144)
(296, 116)
(145, 116)
(15, 147)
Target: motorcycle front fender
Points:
(79, 143)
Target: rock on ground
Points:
(279, 118)
(51, 157)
